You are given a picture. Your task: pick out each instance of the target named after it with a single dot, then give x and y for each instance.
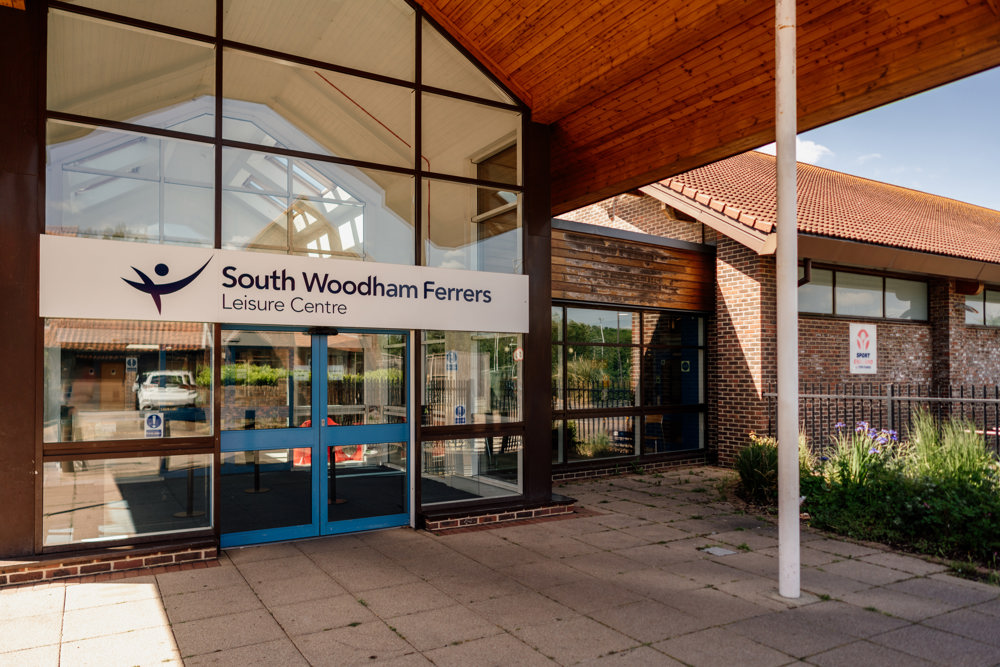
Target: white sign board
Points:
(864, 349)
(91, 278)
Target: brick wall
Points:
(643, 214)
(974, 357)
(744, 345)
(904, 351)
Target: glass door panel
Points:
(365, 378)
(303, 458)
(367, 449)
(267, 479)
(266, 380)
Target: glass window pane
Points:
(117, 72)
(444, 66)
(193, 15)
(266, 380)
(598, 438)
(905, 299)
(458, 135)
(459, 237)
(816, 296)
(673, 330)
(975, 312)
(601, 377)
(367, 480)
(859, 294)
(366, 379)
(118, 185)
(265, 489)
(672, 376)
(104, 377)
(469, 469)
(278, 204)
(992, 308)
(557, 378)
(106, 499)
(471, 378)
(557, 318)
(276, 103)
(376, 37)
(558, 438)
(673, 432)
(587, 325)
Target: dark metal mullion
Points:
(520, 106)
(317, 157)
(444, 92)
(80, 119)
(497, 185)
(120, 19)
(415, 465)
(318, 64)
(219, 96)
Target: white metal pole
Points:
(787, 278)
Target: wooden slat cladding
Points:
(638, 91)
(599, 269)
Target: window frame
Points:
(883, 276)
(638, 413)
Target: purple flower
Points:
(873, 450)
(839, 425)
(881, 440)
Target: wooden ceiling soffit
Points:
(638, 91)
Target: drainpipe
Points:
(786, 277)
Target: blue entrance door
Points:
(315, 433)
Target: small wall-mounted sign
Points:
(864, 349)
(153, 423)
(450, 361)
(459, 414)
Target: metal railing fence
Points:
(889, 406)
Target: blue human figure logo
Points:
(157, 290)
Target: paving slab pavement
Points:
(624, 582)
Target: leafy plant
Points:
(757, 468)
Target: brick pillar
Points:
(745, 344)
(946, 313)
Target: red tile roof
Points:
(117, 335)
(843, 206)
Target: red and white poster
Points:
(864, 349)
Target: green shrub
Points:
(757, 468)
(938, 493)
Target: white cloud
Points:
(869, 157)
(805, 151)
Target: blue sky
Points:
(945, 141)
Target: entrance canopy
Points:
(638, 91)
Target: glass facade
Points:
(462, 469)
(103, 379)
(471, 378)
(95, 500)
(247, 126)
(626, 383)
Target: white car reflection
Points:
(167, 389)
